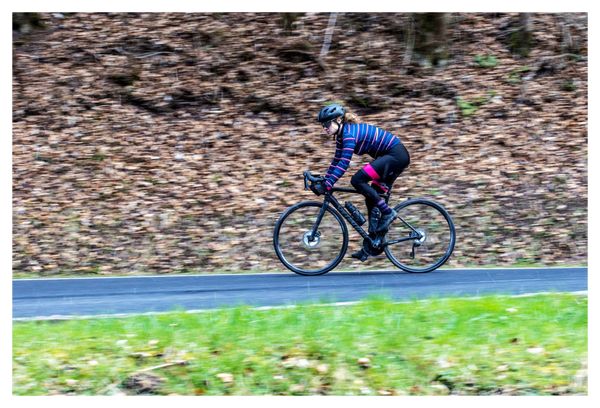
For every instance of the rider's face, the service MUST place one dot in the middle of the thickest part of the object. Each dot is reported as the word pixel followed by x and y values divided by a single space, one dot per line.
pixel 332 128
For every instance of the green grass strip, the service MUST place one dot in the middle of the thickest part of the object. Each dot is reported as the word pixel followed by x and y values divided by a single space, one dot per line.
pixel 490 345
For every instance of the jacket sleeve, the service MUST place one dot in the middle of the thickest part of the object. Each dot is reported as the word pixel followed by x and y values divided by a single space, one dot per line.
pixel 336 159
pixel 341 161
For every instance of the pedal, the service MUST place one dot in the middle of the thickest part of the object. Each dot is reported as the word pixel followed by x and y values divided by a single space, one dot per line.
pixel 360 255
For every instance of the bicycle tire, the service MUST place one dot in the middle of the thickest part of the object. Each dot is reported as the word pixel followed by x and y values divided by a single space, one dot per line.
pixel 449 249
pixel 296 268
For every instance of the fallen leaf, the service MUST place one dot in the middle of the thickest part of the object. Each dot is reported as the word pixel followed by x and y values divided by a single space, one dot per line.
pixel 227 378
pixel 443 363
pixel 364 362
pixel 297 388
pixel 142 383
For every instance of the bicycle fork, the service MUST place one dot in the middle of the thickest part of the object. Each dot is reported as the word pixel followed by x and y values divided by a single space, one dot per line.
pixel 313 232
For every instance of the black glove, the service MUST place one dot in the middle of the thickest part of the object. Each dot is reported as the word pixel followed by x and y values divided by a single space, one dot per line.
pixel 319 188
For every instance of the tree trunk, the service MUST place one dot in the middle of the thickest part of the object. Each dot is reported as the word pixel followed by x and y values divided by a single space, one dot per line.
pixel 570 43
pixel 26 22
pixel 521 39
pixel 430 37
pixel 288 20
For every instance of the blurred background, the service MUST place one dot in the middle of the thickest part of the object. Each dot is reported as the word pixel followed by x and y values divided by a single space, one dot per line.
pixel 172 142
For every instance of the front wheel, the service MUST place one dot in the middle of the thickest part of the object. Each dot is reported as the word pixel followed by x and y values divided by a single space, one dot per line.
pixel 307 245
pixel 422 236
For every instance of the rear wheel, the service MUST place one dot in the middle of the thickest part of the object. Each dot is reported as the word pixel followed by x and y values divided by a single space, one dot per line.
pixel 421 238
pixel 306 253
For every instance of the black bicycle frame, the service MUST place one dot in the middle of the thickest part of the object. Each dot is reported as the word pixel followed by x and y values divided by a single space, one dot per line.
pixel 344 213
pixel 329 198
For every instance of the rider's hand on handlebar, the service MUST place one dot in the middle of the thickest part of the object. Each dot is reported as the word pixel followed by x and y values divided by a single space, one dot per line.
pixel 317 183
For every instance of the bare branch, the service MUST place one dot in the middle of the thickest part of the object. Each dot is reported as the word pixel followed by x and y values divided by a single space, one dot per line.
pixel 328 34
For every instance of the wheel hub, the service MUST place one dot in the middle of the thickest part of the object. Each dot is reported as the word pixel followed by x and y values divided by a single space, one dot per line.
pixel 418 242
pixel 311 244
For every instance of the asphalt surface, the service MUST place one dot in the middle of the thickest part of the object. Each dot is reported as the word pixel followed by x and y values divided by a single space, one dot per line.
pixel 56 298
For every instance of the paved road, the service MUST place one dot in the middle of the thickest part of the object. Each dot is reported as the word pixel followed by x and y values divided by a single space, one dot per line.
pixel 44 298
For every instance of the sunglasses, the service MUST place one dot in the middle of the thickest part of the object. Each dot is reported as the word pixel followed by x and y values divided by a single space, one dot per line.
pixel 326 124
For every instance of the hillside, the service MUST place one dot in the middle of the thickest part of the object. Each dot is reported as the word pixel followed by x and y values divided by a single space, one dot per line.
pixel 172 142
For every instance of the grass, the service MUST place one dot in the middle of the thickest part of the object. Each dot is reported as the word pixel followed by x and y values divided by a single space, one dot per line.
pixel 485 61
pixel 469 107
pixel 510 345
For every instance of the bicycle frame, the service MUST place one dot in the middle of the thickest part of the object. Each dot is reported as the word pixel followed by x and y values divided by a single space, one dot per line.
pixel 331 200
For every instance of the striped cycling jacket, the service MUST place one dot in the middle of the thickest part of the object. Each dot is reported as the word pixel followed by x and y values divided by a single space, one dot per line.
pixel 360 139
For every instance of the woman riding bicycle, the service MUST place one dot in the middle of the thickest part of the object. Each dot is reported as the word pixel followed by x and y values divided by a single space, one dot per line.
pixel 391 158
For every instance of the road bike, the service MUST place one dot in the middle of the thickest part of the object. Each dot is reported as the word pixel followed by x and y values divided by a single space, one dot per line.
pixel 311 238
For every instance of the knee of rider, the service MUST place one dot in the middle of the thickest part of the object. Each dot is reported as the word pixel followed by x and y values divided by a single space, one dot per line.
pixel 359 179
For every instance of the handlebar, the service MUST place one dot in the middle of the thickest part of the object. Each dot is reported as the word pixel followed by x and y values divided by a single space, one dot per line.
pixel 309 177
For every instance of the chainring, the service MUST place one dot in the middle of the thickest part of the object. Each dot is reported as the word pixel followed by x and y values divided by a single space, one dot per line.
pixel 370 249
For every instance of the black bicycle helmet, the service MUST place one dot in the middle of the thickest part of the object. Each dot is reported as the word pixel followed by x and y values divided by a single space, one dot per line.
pixel 330 112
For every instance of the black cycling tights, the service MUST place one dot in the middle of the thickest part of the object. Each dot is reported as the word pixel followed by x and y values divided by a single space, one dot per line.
pixel 384 169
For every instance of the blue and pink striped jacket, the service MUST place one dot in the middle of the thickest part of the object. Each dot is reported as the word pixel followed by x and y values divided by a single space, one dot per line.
pixel 360 139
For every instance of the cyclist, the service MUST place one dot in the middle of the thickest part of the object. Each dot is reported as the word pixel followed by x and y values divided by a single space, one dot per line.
pixel 391 158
